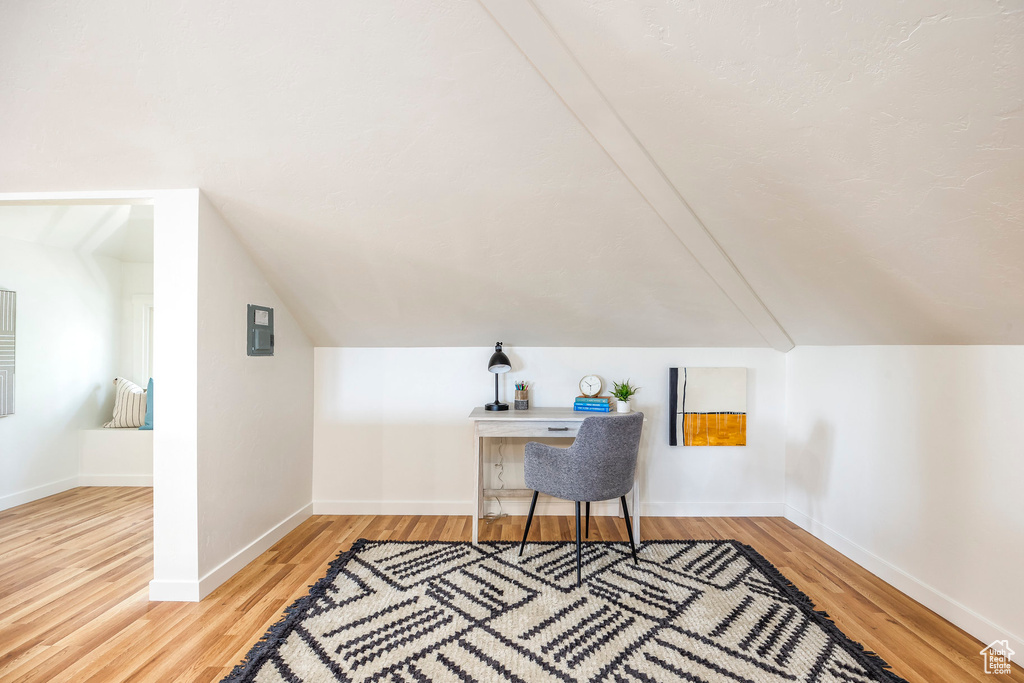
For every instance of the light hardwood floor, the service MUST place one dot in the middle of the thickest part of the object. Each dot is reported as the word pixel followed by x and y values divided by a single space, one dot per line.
pixel 75 567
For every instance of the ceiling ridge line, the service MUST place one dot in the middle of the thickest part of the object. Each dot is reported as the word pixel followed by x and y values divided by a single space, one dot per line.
pixel 527 27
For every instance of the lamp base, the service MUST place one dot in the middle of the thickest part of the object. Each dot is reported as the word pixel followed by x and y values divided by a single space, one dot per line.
pixel 496 406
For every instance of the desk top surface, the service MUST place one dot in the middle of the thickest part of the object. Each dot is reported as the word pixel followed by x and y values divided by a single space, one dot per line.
pixel 545 414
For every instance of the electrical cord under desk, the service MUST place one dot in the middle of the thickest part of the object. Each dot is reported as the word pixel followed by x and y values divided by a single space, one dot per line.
pixel 492 517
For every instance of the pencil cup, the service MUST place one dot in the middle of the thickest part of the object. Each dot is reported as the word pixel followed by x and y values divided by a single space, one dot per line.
pixel 522 399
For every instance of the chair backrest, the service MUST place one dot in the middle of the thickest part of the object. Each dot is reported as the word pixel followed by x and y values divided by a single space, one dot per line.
pixel 607 449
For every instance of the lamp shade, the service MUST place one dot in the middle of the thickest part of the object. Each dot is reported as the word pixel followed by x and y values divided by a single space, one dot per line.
pixel 499 361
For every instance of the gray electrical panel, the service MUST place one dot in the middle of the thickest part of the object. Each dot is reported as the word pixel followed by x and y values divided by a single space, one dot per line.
pixel 261 331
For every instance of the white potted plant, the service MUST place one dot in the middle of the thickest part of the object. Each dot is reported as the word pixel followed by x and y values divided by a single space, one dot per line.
pixel 623 392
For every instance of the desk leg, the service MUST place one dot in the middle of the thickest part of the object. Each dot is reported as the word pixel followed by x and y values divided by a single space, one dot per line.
pixel 636 512
pixel 478 450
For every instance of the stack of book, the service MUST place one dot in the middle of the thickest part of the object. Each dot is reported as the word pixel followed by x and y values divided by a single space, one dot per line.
pixel 596 404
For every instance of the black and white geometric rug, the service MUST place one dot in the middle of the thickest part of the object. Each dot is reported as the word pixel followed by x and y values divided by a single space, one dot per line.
pixel 697 611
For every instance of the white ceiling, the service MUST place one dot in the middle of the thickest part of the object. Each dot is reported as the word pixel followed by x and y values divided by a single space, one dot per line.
pixel 861 163
pixel 407 176
pixel 120 232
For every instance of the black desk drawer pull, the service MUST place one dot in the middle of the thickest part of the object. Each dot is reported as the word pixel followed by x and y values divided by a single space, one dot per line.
pixel 558 429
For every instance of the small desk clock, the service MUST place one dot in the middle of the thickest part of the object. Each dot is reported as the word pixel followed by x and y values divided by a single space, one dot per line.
pixel 591 386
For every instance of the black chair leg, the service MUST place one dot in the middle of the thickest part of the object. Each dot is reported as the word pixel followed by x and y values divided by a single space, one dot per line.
pixel 588 519
pixel 529 518
pixel 579 549
pixel 629 530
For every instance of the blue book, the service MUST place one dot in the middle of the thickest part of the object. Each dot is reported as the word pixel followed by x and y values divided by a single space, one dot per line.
pixel 593 399
pixel 591 408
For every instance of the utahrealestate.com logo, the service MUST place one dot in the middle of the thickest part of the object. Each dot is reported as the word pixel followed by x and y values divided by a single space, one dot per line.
pixel 997 657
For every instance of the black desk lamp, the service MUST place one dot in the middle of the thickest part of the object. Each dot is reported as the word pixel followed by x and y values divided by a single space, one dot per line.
pixel 498 364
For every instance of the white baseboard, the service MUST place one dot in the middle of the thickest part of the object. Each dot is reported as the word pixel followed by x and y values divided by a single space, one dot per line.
pixel 392 507
pixel 673 509
pixel 115 480
pixel 173 591
pixel 194 591
pixel 553 506
pixel 545 506
pixel 28 495
pixel 510 506
pixel 236 562
pixel 940 603
pixel 54 487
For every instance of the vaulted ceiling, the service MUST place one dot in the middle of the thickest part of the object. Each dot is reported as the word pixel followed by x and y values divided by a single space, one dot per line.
pixel 560 172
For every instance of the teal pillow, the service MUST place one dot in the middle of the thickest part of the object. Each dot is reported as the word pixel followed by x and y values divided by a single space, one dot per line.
pixel 148 424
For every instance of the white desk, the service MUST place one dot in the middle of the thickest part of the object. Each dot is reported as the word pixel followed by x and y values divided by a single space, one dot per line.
pixel 536 422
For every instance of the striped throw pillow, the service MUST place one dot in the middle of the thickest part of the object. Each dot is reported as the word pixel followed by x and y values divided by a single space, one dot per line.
pixel 129 404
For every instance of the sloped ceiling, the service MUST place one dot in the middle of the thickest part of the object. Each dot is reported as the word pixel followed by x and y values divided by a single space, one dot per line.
pixel 120 232
pixel 861 163
pixel 406 175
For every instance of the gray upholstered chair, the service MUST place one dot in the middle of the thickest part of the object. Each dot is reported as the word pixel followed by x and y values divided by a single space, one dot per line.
pixel 599 465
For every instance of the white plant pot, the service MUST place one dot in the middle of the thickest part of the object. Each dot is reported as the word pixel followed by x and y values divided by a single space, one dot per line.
pixel 623 407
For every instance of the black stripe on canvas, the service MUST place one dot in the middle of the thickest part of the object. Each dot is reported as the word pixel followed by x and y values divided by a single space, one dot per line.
pixel 673 388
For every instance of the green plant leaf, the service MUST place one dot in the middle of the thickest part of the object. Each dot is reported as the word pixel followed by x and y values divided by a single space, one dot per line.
pixel 623 391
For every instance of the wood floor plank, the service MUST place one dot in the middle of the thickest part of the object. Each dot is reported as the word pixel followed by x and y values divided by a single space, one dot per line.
pixel 75 569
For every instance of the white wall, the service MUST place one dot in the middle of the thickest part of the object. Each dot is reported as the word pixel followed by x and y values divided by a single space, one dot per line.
pixel 67 339
pixel 176 394
pixel 391 431
pixel 255 413
pixel 136 280
pixel 910 461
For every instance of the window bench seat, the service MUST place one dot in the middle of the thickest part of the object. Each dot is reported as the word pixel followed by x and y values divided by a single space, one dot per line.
pixel 115 457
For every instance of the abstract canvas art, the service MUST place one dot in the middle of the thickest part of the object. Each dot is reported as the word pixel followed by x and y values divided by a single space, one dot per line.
pixel 707 406
pixel 7 319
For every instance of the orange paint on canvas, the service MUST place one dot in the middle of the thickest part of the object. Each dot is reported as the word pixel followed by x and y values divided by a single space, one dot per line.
pixel 715 429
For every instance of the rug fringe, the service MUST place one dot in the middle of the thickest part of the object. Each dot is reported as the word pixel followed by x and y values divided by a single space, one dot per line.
pixel 280 630
pixel 871 660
